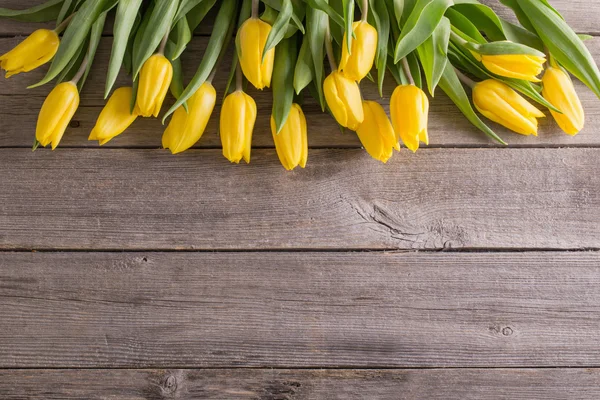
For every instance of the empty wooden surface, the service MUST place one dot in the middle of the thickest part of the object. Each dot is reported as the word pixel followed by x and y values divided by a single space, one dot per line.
pixel 465 271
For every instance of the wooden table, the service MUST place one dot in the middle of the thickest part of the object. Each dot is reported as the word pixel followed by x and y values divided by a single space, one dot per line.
pixel 465 271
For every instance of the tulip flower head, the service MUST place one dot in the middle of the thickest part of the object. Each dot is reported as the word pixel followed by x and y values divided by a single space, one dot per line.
pixel 343 98
pixel 56 113
pixel 559 91
pixel 291 142
pixel 238 115
pixel 518 66
pixel 356 65
pixel 252 38
pixel 187 127
pixel 37 49
pixel 155 78
pixel 500 103
pixel 376 132
pixel 115 117
pixel 409 108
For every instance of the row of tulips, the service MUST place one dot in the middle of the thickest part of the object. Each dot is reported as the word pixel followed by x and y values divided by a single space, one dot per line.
pixel 501 73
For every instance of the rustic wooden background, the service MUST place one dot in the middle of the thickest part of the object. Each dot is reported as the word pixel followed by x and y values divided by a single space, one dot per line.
pixel 465 271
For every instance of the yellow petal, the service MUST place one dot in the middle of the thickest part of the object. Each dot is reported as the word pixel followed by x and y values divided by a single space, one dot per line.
pixel 36 50
pixel 56 113
pixel 115 117
pixel 558 89
pixel 409 108
pixel 252 39
pixel 154 80
pixel 358 64
pixel 376 132
pixel 291 143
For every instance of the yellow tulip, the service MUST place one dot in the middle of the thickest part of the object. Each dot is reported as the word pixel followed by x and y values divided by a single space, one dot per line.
pixel 36 50
pixel 252 39
pixel 291 142
pixel 114 117
pixel 344 101
pixel 187 127
pixel 154 80
pixel 238 116
pixel 376 132
pixel 409 108
pixel 559 91
pixel 518 66
pixel 498 102
pixel 364 46
pixel 56 113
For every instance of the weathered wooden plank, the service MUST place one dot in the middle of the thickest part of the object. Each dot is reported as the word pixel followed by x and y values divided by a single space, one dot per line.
pixel 285 310
pixel 448 127
pixel 438 198
pixel 233 384
pixel 581 15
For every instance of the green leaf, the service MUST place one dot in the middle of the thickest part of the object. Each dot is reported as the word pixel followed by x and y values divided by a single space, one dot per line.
pixel 67 8
pixel 196 15
pixel 176 87
pixel 182 35
pixel 303 73
pixel 125 19
pixel 245 13
pixel 464 27
pixel 95 37
pixel 283 81
pixel 348 21
pixel 185 6
pixel 504 48
pixel 563 42
pixel 73 66
pixel 157 27
pixel 433 54
pixel 380 18
pixel 452 86
pixel 420 25
pixel 297 15
pixel 279 27
pixel 221 34
pixel 316 28
pixel 75 34
pixel 323 6
pixel 45 12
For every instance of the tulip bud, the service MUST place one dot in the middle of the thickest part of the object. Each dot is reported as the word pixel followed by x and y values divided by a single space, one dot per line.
pixel 187 127
pixel 56 113
pixel 155 78
pixel 376 132
pixel 358 64
pixel 344 100
pixel 251 40
pixel 498 102
pixel 238 115
pixel 560 92
pixel 115 117
pixel 518 66
pixel 291 142
pixel 409 108
pixel 37 49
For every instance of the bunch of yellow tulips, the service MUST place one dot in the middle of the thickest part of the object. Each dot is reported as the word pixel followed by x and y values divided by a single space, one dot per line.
pixel 285 47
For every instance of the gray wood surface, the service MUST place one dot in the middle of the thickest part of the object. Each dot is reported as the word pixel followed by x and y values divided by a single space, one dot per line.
pixel 435 199
pixel 342 310
pixel 160 277
pixel 19 107
pixel 252 384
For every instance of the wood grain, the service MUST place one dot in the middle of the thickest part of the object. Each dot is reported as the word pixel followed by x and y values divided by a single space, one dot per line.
pixel 447 126
pixel 283 310
pixel 240 384
pixel 580 14
pixel 435 199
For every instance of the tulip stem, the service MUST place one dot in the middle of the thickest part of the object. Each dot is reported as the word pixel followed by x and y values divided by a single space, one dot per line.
pixel 406 69
pixel 457 38
pixel 365 10
pixel 82 68
pixel 329 48
pixel 63 25
pixel 255 4
pixel 163 42
pixel 239 82
pixel 465 79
